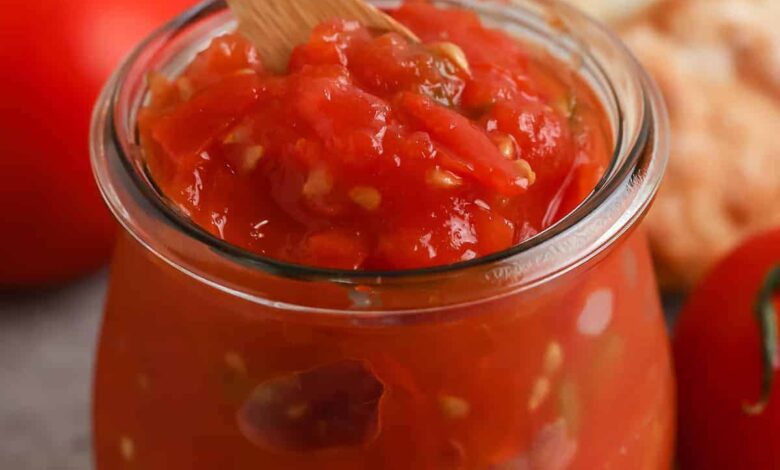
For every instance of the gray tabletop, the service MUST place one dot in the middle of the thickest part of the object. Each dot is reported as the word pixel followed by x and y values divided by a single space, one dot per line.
pixel 47 343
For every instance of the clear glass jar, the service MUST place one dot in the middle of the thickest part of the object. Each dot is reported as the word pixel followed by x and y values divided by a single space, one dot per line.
pixel 552 355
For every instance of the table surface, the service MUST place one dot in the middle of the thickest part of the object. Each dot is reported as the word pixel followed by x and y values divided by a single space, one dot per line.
pixel 47 345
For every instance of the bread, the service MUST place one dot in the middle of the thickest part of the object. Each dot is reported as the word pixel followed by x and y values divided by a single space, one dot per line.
pixel 613 11
pixel 718 65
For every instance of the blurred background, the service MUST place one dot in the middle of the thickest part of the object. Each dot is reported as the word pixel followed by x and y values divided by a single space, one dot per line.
pixel 717 62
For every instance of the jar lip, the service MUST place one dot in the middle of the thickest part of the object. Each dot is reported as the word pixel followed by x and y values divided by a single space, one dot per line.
pixel 613 180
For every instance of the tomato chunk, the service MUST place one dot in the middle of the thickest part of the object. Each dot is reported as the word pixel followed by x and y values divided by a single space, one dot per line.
pixel 480 155
pixel 195 123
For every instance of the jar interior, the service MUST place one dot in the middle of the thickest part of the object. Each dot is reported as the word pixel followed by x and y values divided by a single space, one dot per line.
pixel 617 203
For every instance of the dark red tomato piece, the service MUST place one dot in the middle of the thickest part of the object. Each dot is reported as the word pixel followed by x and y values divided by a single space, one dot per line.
pixel 719 345
pixel 333 406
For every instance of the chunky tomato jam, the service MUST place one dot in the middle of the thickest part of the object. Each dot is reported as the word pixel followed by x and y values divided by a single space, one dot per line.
pixel 373 152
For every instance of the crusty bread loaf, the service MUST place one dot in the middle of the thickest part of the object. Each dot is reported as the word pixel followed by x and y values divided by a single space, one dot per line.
pixel 718 65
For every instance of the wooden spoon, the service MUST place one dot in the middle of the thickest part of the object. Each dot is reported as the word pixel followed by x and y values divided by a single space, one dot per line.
pixel 275 27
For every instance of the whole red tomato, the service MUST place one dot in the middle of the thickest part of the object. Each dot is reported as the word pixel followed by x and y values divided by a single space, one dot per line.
pixel 725 348
pixel 54 57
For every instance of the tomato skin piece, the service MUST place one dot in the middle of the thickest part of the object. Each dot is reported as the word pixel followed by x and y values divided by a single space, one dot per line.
pixel 55 226
pixel 483 160
pixel 207 115
pixel 718 360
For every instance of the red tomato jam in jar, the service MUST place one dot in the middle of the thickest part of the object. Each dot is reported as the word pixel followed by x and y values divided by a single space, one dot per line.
pixel 373 153
pixel 395 255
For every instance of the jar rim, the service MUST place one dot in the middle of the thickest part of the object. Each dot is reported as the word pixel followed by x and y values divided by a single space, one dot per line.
pixel 653 132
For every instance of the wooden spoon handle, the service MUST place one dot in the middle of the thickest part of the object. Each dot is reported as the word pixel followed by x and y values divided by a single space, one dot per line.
pixel 275 27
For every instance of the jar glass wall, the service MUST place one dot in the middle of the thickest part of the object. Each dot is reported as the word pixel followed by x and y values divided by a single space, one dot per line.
pixel 551 355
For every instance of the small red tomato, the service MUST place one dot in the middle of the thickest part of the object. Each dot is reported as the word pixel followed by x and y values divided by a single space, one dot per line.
pixel 55 58
pixel 726 353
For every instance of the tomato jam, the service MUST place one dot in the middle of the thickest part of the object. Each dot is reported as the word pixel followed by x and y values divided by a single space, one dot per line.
pixel 375 153
pixel 371 154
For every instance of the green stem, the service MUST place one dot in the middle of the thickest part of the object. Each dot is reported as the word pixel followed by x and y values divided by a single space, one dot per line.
pixel 767 320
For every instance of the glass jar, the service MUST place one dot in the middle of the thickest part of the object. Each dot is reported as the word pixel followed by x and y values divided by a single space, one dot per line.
pixel 552 355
